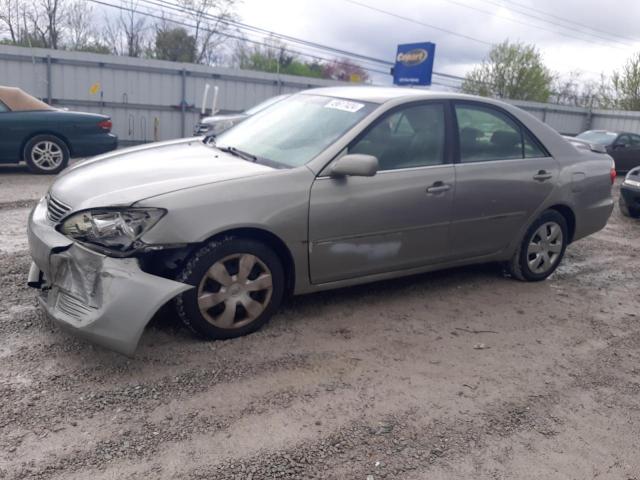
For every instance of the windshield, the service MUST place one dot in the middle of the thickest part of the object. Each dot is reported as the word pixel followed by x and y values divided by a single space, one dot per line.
pixel 293 131
pixel 598 136
pixel 262 105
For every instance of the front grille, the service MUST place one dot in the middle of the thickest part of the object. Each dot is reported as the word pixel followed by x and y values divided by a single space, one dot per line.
pixel 73 306
pixel 56 210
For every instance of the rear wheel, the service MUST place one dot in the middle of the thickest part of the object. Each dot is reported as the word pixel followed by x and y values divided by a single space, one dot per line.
pixel 541 249
pixel 46 154
pixel 238 286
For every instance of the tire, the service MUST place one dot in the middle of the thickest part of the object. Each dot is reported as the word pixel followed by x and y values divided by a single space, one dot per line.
pixel 626 211
pixel 223 305
pixel 46 154
pixel 527 264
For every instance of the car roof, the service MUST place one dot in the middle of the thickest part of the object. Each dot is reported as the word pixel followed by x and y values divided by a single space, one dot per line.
pixel 384 94
pixel 18 100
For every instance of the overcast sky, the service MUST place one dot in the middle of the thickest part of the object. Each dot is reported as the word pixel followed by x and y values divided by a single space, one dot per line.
pixel 348 26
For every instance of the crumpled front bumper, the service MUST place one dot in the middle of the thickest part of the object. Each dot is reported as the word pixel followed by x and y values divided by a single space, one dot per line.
pixel 107 300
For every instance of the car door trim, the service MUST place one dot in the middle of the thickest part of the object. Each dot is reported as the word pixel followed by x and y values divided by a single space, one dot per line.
pixel 326 241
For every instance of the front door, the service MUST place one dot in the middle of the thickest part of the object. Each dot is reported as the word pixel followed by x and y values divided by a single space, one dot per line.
pixel 502 177
pixel 395 220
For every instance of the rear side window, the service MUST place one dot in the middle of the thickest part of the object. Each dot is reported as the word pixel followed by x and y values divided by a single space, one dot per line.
pixel 3 107
pixel 487 134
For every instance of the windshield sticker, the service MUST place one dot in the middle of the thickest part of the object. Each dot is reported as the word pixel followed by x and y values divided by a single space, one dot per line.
pixel 344 105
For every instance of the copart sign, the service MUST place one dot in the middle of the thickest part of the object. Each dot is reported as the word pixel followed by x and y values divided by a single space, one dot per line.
pixel 414 64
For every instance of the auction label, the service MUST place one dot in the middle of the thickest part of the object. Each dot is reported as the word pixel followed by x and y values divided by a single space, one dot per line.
pixel 344 105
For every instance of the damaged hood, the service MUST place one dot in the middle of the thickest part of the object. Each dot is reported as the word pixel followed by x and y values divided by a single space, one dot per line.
pixel 124 177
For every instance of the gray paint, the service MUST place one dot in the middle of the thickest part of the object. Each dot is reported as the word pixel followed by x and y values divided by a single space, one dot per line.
pixel 339 231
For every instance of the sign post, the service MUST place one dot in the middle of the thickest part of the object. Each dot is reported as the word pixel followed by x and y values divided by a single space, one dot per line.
pixel 414 64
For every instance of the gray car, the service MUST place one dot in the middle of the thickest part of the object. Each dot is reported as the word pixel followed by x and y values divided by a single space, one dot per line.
pixel 327 188
pixel 216 124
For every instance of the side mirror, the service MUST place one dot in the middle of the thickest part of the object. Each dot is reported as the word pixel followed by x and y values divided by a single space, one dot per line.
pixel 355 165
pixel 620 145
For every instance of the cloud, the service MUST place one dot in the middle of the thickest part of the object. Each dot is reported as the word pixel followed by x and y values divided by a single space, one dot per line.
pixel 344 25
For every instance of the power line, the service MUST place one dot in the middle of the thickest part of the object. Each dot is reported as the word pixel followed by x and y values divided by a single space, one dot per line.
pixel 386 12
pixel 417 22
pixel 184 24
pixel 526 7
pixel 315 45
pixel 513 20
pixel 244 26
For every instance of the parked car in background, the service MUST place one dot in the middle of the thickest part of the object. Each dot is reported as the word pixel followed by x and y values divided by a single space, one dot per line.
pixel 46 137
pixel 324 189
pixel 630 194
pixel 217 124
pixel 624 147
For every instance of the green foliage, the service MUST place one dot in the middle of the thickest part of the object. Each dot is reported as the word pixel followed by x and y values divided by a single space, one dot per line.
pixel 512 70
pixel 626 85
pixel 175 45
pixel 275 58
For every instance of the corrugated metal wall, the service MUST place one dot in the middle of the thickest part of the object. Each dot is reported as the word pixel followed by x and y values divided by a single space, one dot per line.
pixel 143 97
pixel 157 100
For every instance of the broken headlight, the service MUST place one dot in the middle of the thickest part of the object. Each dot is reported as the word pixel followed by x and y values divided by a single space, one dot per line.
pixel 114 229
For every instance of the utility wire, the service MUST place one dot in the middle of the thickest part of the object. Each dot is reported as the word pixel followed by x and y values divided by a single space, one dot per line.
pixel 417 22
pixel 185 24
pixel 315 45
pixel 557 17
pixel 538 27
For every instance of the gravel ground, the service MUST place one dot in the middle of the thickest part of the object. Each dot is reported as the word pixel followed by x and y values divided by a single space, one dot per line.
pixel 456 374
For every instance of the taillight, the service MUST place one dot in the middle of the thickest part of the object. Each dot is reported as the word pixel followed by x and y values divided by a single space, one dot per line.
pixel 105 125
pixel 613 175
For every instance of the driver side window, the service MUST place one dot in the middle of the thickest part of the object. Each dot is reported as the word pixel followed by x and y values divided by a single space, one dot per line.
pixel 410 137
pixel 3 107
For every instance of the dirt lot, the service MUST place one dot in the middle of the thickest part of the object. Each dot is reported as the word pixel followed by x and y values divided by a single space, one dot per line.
pixel 457 374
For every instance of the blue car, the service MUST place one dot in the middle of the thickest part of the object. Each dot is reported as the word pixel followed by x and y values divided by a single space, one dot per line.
pixel 45 137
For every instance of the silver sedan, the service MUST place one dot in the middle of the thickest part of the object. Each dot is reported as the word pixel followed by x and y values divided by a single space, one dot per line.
pixel 327 188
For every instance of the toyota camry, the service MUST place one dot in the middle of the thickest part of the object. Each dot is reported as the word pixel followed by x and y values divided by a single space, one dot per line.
pixel 324 189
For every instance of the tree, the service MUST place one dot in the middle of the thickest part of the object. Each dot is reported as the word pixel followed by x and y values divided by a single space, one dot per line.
pixel 345 70
pixel 212 22
pixel 273 57
pixel 47 21
pixel 127 34
pixel 11 15
pixel 512 70
pixel 175 44
pixel 626 84
pixel 80 26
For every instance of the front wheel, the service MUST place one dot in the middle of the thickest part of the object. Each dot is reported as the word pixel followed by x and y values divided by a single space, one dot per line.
pixel 541 249
pixel 238 283
pixel 46 154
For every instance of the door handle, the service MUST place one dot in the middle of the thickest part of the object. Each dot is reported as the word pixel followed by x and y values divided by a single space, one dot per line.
pixel 438 187
pixel 542 175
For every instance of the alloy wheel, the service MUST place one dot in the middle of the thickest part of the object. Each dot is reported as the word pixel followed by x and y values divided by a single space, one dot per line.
pixel 235 291
pixel 47 155
pixel 545 247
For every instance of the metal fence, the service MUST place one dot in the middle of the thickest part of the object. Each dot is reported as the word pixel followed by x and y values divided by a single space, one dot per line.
pixel 156 100
pixel 147 99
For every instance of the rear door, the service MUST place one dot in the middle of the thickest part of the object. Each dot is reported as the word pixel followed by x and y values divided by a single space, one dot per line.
pixel 502 174
pixel 397 219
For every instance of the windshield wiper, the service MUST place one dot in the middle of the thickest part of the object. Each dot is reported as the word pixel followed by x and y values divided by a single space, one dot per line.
pixel 238 153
